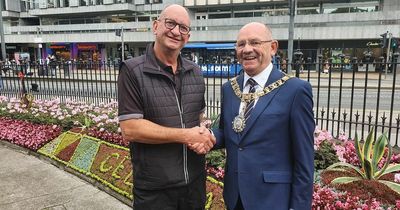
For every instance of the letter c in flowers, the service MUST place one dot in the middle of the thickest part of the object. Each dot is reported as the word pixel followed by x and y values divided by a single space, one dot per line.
pixel 103 163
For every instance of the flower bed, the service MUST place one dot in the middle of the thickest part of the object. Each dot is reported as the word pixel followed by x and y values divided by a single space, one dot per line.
pixel 360 194
pixel 27 134
pixel 109 161
pixel 102 118
pixel 109 164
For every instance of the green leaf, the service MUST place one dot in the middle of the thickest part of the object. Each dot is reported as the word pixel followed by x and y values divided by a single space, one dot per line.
pixel 385 166
pixel 392 185
pixel 390 169
pixel 345 180
pixel 358 150
pixel 347 165
pixel 379 150
pixel 368 145
pixel 338 169
pixel 368 170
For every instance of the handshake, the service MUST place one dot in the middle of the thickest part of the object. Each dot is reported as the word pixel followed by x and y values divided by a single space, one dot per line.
pixel 200 139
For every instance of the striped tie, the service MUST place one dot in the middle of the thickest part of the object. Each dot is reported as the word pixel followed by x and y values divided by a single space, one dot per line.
pixel 250 105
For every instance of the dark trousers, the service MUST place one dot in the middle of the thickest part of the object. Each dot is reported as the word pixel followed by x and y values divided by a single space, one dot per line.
pixel 190 197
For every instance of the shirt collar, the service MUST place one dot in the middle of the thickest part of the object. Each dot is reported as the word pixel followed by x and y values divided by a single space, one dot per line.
pixel 156 64
pixel 260 78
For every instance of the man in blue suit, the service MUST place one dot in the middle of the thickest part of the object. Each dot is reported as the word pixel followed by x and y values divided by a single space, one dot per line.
pixel 267 128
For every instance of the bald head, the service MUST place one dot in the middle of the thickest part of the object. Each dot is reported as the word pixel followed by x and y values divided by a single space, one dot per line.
pixel 255 47
pixel 257 27
pixel 172 31
pixel 175 9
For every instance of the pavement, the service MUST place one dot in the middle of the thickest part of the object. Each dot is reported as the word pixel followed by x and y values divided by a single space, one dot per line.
pixel 28 181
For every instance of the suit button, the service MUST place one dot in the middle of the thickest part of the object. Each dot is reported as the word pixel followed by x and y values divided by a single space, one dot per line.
pixel 241 149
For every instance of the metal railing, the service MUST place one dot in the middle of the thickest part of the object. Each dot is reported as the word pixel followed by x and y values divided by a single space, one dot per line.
pixel 349 96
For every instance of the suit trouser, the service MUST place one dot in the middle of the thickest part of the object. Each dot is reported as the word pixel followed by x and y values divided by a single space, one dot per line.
pixel 239 205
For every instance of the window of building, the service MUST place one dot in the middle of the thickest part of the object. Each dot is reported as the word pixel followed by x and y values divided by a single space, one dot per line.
pixel 355 6
pixel 14 22
pixel 78 21
pixel 24 6
pixel 50 3
pixel 243 14
pixel 66 3
pixel 63 22
pixel 219 16
pixel 143 18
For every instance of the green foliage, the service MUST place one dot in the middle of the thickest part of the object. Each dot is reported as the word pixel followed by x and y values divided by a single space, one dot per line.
pixel 325 156
pixel 215 121
pixel 369 154
pixel 216 158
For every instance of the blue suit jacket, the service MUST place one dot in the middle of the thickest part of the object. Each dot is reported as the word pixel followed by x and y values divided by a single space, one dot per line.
pixel 271 162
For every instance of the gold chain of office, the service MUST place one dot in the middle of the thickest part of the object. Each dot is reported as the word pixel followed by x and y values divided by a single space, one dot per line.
pixel 247 97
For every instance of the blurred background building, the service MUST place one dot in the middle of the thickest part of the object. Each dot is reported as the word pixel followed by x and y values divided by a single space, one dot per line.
pixel 88 29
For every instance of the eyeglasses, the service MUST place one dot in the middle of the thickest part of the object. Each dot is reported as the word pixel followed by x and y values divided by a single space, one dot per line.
pixel 171 24
pixel 253 43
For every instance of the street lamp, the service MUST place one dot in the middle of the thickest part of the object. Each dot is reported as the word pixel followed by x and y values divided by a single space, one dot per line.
pixel 3 43
pixel 120 33
pixel 292 12
pixel 38 40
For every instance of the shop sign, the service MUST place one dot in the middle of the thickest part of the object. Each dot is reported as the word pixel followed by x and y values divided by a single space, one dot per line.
pixel 87 46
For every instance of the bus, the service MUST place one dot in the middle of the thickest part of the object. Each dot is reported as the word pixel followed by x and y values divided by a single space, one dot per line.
pixel 215 59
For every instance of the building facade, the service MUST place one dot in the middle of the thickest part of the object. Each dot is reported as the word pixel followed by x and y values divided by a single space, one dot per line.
pixel 86 29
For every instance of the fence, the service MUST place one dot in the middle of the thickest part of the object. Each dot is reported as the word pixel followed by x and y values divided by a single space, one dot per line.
pixel 349 96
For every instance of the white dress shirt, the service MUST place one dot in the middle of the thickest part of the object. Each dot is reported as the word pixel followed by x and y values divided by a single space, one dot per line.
pixel 260 78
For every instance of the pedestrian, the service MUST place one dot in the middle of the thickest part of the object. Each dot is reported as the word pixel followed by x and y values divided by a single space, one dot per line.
pixel 2 69
pixel 267 127
pixel 53 65
pixel 160 104
pixel 326 67
pixel 284 65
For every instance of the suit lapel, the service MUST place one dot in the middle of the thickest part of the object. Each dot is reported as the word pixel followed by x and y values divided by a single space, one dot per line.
pixel 262 102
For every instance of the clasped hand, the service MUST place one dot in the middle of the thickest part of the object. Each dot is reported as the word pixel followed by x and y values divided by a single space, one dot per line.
pixel 200 140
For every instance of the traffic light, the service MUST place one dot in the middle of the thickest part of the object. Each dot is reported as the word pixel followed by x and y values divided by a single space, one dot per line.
pixel 395 43
pixel 118 32
pixel 383 40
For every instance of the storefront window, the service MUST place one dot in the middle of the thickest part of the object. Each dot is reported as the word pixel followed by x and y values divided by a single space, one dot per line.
pixel 60 51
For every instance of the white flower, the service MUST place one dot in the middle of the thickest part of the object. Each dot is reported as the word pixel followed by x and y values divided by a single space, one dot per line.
pixel 397 178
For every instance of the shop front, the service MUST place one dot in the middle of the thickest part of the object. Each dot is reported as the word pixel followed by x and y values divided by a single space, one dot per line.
pixel 88 52
pixel 60 50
